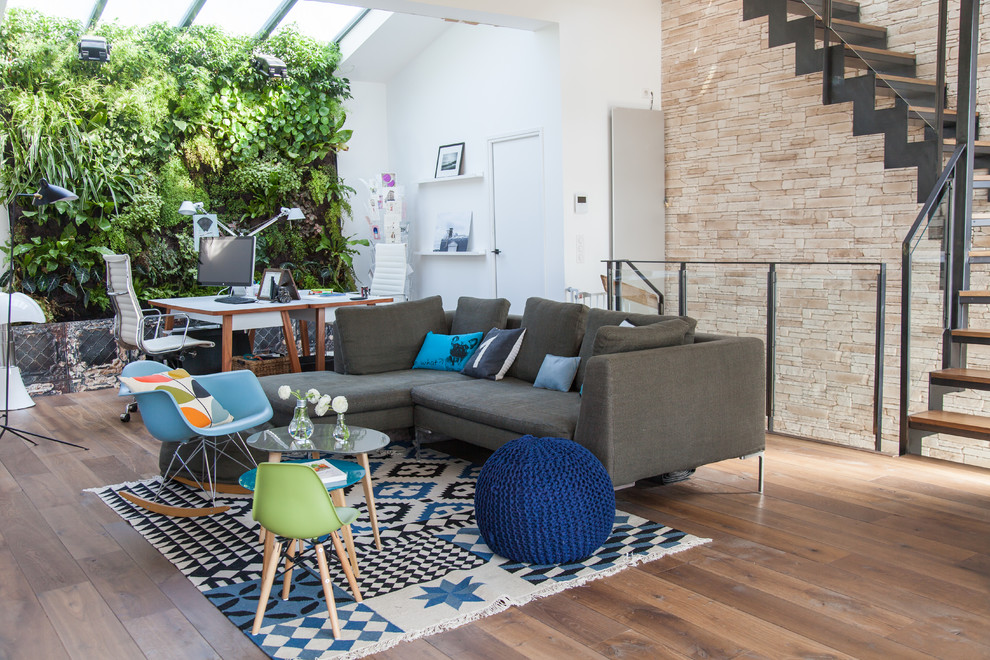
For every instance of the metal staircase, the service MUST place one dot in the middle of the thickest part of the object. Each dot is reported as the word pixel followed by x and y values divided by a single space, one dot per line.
pixel 888 98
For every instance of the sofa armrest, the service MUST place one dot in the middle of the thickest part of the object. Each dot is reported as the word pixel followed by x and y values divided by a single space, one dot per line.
pixel 645 413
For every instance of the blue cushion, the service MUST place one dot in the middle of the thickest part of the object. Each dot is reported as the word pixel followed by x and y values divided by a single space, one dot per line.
pixel 557 373
pixel 446 352
pixel 497 352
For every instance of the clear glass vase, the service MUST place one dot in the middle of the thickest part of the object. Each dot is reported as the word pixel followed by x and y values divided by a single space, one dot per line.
pixel 341 434
pixel 301 427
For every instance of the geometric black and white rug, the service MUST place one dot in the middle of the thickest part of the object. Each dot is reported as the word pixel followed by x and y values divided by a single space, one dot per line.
pixel 434 571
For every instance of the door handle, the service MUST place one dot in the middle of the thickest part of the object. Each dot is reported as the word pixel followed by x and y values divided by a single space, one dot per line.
pixel 496 251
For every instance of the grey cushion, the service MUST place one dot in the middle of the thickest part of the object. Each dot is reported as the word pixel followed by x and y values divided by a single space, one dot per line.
pixel 479 315
pixel 510 404
pixel 617 339
pixel 552 327
pixel 386 337
pixel 601 317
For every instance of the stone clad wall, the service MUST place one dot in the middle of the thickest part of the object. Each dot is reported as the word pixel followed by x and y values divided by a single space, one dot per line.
pixel 758 169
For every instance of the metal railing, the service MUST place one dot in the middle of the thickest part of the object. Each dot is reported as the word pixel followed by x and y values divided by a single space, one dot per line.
pixel 614 274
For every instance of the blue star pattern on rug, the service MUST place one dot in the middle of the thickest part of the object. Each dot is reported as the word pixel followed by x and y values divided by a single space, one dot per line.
pixel 448 593
pixel 434 570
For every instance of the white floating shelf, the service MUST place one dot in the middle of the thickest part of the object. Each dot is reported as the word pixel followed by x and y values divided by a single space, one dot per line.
pixel 473 253
pixel 459 177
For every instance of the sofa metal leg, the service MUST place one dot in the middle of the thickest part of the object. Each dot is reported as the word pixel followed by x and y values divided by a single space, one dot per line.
pixel 759 482
pixel 760 473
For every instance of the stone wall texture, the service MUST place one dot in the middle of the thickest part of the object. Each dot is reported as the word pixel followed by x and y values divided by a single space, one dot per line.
pixel 757 169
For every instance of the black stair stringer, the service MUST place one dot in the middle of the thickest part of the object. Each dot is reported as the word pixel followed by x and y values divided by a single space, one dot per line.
pixel 898 151
pixel 800 32
pixel 859 90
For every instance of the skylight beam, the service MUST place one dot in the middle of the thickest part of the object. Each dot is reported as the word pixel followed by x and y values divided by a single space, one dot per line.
pixel 95 14
pixel 191 12
pixel 280 12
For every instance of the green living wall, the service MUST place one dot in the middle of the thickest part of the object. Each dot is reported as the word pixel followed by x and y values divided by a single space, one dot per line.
pixel 176 114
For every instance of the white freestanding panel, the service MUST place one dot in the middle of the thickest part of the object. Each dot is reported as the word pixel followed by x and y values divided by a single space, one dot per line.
pixel 637 185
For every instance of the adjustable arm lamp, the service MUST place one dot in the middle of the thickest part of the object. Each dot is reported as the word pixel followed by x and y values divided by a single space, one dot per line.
pixel 194 208
pixel 27 310
pixel 291 214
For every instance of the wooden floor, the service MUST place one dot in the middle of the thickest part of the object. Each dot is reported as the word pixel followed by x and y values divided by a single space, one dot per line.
pixel 847 554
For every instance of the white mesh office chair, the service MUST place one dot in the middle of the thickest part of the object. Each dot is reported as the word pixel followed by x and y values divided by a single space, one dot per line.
pixel 130 323
pixel 389 278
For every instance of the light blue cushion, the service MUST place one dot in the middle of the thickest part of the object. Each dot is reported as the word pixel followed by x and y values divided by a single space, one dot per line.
pixel 557 373
pixel 446 352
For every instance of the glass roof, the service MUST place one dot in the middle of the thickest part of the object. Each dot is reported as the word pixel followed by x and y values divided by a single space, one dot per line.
pixel 314 18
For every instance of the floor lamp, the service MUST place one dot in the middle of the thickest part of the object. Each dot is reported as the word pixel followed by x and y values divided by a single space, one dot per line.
pixel 46 194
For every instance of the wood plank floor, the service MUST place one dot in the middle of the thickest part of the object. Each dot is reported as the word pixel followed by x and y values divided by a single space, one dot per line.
pixel 848 554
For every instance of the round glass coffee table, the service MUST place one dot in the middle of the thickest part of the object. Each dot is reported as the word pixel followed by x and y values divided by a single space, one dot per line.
pixel 277 441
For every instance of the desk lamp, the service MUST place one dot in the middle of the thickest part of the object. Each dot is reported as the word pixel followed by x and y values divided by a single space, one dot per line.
pixel 26 310
pixel 197 208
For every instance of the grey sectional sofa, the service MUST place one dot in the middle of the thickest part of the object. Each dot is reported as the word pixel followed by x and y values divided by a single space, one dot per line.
pixel 642 410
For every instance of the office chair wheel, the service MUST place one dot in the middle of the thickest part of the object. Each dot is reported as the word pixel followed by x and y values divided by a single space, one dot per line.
pixel 126 415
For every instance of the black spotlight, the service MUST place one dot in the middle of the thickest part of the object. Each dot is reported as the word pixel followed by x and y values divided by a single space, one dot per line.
pixel 93 49
pixel 270 66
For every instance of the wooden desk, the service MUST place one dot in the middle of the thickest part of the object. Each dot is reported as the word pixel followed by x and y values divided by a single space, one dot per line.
pixel 263 314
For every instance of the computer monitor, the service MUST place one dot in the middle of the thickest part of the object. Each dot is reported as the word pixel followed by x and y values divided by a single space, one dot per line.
pixel 226 261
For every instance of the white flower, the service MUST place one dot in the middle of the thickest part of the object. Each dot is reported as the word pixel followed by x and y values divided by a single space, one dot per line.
pixel 313 395
pixel 284 392
pixel 339 404
pixel 323 405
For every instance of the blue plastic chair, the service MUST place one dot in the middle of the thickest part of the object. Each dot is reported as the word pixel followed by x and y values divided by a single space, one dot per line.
pixel 237 391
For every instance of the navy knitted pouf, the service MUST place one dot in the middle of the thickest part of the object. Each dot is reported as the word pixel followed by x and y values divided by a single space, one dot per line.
pixel 544 501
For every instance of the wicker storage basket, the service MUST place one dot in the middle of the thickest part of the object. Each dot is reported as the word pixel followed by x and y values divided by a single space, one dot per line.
pixel 266 367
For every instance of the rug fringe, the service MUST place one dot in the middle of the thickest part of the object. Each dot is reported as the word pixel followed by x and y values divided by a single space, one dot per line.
pixel 505 602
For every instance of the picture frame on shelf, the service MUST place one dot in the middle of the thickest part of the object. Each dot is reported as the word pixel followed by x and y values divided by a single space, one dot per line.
pixel 449 158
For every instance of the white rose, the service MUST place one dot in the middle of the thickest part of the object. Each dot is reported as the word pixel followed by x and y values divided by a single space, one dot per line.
pixel 340 404
pixel 322 406
pixel 312 395
pixel 284 392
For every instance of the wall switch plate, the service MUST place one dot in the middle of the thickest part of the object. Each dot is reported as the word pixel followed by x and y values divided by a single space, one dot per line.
pixel 580 203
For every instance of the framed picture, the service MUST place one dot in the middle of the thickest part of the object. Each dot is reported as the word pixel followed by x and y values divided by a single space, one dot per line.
pixel 269 283
pixel 289 283
pixel 449 160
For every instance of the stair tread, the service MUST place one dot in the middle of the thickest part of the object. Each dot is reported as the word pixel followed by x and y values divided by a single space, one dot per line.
pixel 971 332
pixel 979 253
pixel 905 79
pixel 893 54
pixel 977 143
pixel 951 421
pixel 955 373
pixel 947 112
pixel 975 294
pixel 981 177
pixel 982 215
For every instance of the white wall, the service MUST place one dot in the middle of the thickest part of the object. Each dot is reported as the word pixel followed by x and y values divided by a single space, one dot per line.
pixel 366 158
pixel 608 55
pixel 471 84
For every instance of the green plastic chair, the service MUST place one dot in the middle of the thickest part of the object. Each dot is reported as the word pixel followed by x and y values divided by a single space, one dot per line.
pixel 293 505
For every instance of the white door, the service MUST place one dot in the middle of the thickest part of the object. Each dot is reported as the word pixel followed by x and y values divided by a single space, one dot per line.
pixel 518 218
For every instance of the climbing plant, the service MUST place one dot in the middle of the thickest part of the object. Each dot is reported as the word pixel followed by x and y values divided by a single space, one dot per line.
pixel 175 114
